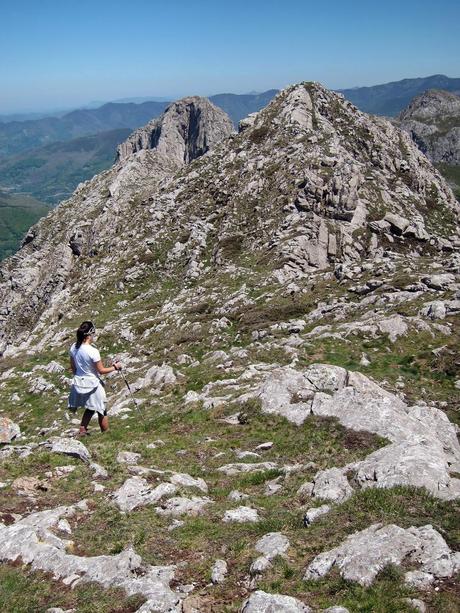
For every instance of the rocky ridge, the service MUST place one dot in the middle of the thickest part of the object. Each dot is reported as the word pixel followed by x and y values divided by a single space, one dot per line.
pixel 228 283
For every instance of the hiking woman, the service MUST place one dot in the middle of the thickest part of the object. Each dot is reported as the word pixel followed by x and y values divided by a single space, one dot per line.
pixel 87 387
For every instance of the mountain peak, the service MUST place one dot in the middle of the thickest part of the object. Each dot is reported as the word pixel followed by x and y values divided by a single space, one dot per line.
pixel 306 186
pixel 187 129
pixel 430 104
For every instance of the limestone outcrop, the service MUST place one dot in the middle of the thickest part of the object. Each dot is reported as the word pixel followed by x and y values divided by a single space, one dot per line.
pixel 364 554
pixel 433 121
pixel 34 541
pixel 187 130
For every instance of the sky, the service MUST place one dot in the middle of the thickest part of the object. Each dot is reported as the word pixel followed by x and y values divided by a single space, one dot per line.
pixel 67 53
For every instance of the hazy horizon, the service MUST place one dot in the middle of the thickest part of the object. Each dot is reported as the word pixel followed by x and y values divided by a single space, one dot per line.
pixel 70 54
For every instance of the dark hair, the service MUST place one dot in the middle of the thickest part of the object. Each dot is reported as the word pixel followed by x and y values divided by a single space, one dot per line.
pixel 86 329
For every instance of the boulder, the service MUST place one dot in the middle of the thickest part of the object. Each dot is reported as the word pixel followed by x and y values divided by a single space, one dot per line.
pixel 434 310
pixel 272 544
pixel 34 541
pixel 136 492
pixel 157 377
pixel 364 554
pixel 440 281
pixel 313 514
pixel 331 484
pixel 417 464
pixel 184 506
pixel 241 515
pixel 128 457
pixel 398 224
pixel 262 602
pixel 184 480
pixel 241 468
pixel 8 430
pixel 219 571
pixel 70 447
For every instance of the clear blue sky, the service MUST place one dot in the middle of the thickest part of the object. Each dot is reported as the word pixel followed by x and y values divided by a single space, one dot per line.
pixel 63 53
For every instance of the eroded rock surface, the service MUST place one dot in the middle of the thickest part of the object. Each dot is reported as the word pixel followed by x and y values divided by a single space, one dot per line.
pixel 364 554
pixel 137 492
pixel 34 541
pixel 262 602
pixel 8 430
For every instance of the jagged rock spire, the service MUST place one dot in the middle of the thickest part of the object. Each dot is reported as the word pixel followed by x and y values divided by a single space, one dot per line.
pixel 187 129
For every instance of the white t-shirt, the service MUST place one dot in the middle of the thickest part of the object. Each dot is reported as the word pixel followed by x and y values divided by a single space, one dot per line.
pixel 85 358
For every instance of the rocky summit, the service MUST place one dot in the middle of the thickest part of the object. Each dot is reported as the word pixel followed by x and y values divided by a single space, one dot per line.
pixel 433 120
pixel 285 301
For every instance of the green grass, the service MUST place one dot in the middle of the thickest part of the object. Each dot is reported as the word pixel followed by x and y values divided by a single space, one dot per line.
pixel 17 213
pixel 452 174
pixel 22 591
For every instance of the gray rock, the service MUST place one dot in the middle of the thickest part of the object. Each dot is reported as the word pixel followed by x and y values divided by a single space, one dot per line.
pixel 416 464
pixel 241 515
pixel 277 392
pixel 336 610
pixel 33 540
pixel 440 281
pixel 184 480
pixel 99 472
pixel 136 492
pixel 331 484
pixel 416 604
pixel 259 566
pixel 187 129
pixel 128 457
pixel 236 496
pixel 419 579
pixel 272 544
pixel 242 455
pixel 262 602
pixel 241 468
pixel 434 310
pixel 157 377
pixel 219 571
pixel 272 487
pixel 184 506
pixel 8 430
pixel 315 513
pixel 306 489
pixel 70 447
pixel 398 224
pixel 264 446
pixel 364 554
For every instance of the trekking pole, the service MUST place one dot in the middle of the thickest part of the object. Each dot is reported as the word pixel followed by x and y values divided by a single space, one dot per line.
pixel 132 396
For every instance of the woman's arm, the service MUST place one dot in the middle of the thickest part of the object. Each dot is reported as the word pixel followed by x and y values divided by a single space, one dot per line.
pixel 73 368
pixel 102 370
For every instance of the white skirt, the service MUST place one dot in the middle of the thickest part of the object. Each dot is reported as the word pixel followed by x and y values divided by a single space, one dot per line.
pixel 87 392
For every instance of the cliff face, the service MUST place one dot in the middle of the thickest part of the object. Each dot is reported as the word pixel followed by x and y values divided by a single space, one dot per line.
pixel 187 130
pixel 433 121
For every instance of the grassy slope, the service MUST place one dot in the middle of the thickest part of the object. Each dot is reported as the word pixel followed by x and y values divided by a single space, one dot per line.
pixel 452 175
pixel 193 438
pixel 17 213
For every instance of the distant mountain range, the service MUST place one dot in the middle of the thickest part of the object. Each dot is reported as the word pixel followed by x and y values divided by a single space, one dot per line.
pixel 48 157
pixel 19 136
pixel 391 98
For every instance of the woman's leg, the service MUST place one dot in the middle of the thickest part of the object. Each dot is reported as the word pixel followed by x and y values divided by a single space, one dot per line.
pixel 103 421
pixel 85 421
